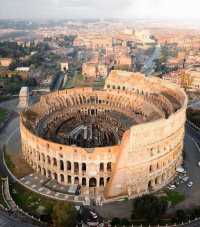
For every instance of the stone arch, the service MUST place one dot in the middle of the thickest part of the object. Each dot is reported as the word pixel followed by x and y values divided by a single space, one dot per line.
pixel 76 167
pixel 62 178
pixel 83 167
pixel 69 167
pixel 109 166
pixel 151 168
pixel 54 162
pixel 76 180
pixel 92 182
pixel 69 179
pixel 48 160
pixel 49 174
pixel 101 167
pixel 101 181
pixel 107 180
pixel 84 182
pixel 61 165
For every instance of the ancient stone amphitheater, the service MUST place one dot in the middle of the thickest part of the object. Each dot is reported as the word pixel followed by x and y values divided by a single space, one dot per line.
pixel 124 140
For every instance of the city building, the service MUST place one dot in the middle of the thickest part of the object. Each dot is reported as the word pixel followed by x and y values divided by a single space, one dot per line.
pixel 5 62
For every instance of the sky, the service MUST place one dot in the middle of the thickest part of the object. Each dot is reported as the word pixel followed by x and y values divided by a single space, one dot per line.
pixel 78 9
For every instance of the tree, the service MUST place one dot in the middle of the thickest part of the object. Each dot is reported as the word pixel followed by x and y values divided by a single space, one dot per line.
pixel 64 214
pixel 149 207
pixel 125 222
pixel 181 216
pixel 115 222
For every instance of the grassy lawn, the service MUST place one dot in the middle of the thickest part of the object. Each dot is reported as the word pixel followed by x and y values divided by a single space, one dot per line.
pixel 17 164
pixel 98 84
pixel 76 81
pixel 33 203
pixel 3 114
pixel 174 197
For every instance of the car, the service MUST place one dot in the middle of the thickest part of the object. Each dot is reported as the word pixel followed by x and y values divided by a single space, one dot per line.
pixel 198 164
pixel 190 184
pixel 171 187
pixel 185 179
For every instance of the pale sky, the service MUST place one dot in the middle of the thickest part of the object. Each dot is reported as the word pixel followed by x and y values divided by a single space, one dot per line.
pixel 75 9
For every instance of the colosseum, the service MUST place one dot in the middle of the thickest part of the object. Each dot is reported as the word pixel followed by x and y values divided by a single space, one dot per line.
pixel 123 140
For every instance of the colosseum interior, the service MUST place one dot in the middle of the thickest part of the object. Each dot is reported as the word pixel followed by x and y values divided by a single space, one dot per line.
pixel 124 140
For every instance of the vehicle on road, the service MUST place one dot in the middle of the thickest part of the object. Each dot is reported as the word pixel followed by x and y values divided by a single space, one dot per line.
pixel 185 179
pixel 190 184
pixel 171 187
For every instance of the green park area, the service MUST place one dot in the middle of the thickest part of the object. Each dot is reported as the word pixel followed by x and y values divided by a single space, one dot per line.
pixel 174 197
pixel 47 210
pixel 76 81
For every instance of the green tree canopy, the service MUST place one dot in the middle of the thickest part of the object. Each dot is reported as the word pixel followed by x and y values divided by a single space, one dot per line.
pixel 64 214
pixel 149 207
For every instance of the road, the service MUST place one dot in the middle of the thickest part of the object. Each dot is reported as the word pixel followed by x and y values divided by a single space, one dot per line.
pixel 149 65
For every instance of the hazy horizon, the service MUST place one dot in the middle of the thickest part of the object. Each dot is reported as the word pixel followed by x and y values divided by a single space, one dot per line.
pixel 95 9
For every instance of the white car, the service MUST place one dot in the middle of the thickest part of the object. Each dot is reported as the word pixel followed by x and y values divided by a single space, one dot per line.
pixel 185 179
pixel 198 164
pixel 172 187
pixel 190 184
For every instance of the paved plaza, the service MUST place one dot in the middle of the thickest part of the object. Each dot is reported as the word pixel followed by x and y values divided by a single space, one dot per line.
pixel 45 186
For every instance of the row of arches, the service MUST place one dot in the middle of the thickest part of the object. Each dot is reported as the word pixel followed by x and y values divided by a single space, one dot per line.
pixel 163 163
pixel 76 166
pixel 84 181
pixel 161 179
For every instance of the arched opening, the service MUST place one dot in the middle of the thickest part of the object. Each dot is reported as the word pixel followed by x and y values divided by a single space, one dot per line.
pixel 69 166
pixel 76 168
pixel 150 186
pixel 49 174
pixel 156 181
pixel 54 162
pixel 109 166
pixel 150 168
pixel 62 178
pixel 48 160
pixel 43 157
pixel 101 182
pixel 69 179
pixel 84 167
pixel 76 180
pixel 101 168
pixel 92 182
pixel 83 181
pixel 44 171
pixel 55 176
pixel 61 165
pixel 108 179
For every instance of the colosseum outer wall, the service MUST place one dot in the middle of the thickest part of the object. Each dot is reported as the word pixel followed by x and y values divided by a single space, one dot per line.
pixel 157 145
pixel 144 161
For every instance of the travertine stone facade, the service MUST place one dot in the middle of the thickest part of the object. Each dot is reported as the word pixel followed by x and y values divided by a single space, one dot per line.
pixel 137 122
